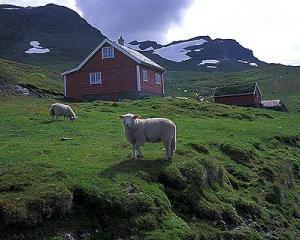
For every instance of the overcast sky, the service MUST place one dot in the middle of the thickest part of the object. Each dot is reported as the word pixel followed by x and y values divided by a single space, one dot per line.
pixel 269 27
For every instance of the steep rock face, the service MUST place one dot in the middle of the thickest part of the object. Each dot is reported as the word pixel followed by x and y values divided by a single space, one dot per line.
pixel 48 34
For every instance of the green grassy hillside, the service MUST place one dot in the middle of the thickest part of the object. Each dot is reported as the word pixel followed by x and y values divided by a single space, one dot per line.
pixel 30 76
pixel 235 175
pixel 275 81
pixel 69 37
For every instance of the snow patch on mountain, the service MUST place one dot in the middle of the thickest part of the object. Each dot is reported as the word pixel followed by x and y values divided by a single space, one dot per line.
pixel 242 61
pixel 253 64
pixel 149 49
pixel 177 52
pixel 208 61
pixel 11 8
pixel 211 66
pixel 36 48
pixel 198 50
pixel 134 47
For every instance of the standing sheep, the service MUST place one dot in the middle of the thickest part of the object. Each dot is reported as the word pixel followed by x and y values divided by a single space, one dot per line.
pixel 138 131
pixel 58 109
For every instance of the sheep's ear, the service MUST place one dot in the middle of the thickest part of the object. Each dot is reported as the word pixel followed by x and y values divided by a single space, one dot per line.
pixel 136 116
pixel 121 116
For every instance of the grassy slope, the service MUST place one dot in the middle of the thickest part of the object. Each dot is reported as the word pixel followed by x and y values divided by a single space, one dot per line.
pixel 275 81
pixel 235 174
pixel 17 73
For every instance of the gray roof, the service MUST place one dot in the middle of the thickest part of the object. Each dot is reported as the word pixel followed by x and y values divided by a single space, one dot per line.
pixel 140 57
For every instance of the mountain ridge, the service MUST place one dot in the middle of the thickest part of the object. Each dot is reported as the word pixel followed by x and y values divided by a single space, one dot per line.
pixel 200 53
pixel 68 36
pixel 58 38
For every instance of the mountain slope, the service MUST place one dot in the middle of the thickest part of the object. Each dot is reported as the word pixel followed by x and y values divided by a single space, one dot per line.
pixel 275 81
pixel 51 36
pixel 58 38
pixel 200 53
pixel 17 78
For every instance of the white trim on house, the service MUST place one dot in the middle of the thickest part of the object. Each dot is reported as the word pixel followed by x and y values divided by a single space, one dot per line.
pixel 138 78
pixel 97 76
pixel 113 44
pixel 108 52
pixel 257 87
pixel 163 83
pixel 145 75
pixel 157 77
pixel 65 85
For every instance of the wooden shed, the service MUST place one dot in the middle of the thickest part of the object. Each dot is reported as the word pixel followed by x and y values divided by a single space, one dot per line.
pixel 248 95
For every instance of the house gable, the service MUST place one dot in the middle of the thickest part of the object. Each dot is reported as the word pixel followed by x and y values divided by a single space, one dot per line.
pixel 132 54
pixel 257 89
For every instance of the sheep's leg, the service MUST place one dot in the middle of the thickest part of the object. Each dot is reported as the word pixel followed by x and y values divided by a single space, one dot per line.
pixel 133 155
pixel 140 154
pixel 137 147
pixel 167 145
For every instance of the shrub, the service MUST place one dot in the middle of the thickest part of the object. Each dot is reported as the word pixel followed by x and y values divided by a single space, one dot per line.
pixel 289 140
pixel 276 194
pixel 200 147
pixel 245 206
pixel 238 154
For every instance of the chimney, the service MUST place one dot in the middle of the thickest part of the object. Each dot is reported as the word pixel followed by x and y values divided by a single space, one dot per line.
pixel 121 41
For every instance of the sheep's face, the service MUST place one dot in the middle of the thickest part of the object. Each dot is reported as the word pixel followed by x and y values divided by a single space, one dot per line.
pixel 73 117
pixel 128 119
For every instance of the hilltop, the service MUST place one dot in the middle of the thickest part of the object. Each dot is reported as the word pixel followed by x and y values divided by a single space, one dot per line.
pixel 200 54
pixel 60 36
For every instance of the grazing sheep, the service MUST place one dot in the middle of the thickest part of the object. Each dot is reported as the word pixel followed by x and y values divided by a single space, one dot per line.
pixel 138 131
pixel 58 109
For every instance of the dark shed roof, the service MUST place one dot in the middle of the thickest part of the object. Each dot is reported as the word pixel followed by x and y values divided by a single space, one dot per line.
pixel 235 89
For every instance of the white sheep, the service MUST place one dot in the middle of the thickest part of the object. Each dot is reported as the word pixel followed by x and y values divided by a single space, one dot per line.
pixel 138 131
pixel 58 109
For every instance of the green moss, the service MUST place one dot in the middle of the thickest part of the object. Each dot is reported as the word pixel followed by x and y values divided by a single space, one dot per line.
pixel 200 147
pixel 245 206
pixel 237 153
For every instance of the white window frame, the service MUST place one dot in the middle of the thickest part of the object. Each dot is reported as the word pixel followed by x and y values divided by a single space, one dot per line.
pixel 157 77
pixel 145 76
pixel 108 52
pixel 94 80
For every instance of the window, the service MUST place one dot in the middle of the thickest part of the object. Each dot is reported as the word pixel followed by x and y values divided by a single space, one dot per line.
pixel 95 78
pixel 145 75
pixel 157 78
pixel 107 52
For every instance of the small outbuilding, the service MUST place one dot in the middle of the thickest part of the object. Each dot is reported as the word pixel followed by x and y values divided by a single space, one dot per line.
pixel 114 72
pixel 247 95
pixel 276 105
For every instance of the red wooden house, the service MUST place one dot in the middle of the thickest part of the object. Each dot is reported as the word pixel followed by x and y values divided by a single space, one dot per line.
pixel 248 95
pixel 114 72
